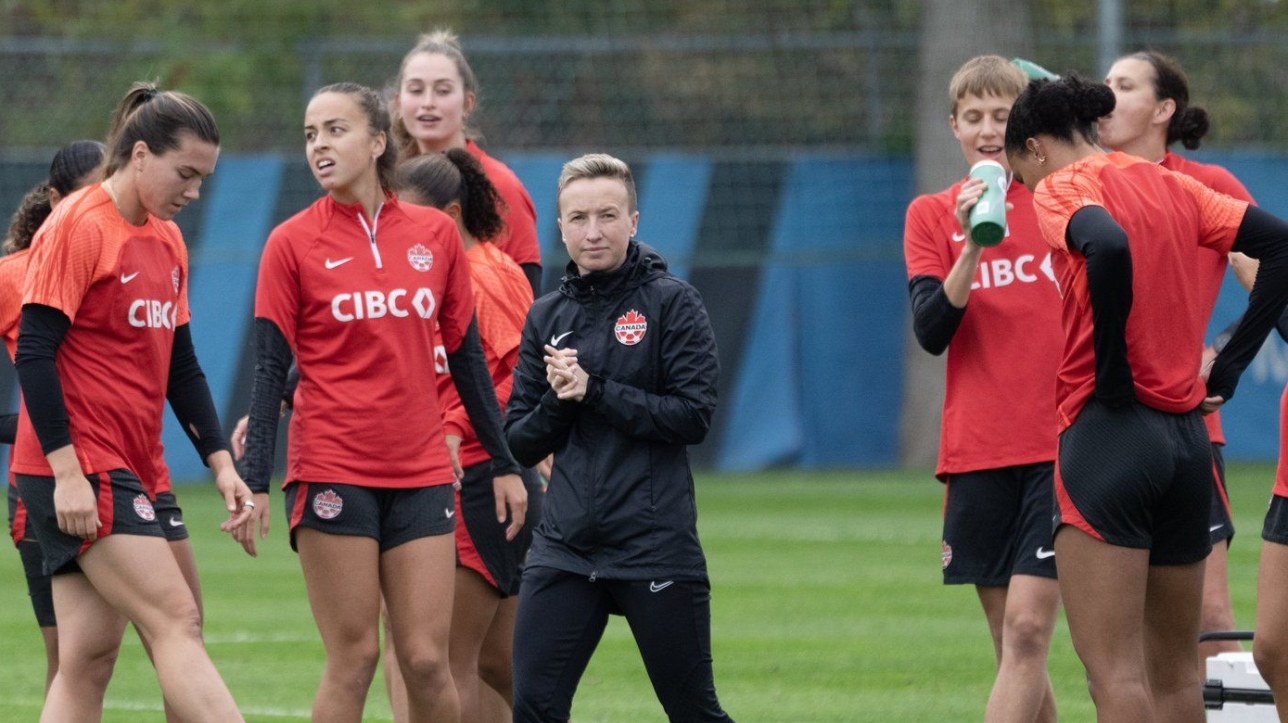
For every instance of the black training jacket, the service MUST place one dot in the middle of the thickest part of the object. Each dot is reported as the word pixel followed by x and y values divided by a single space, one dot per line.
pixel 620 505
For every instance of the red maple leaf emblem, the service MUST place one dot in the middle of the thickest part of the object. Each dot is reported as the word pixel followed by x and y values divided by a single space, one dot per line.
pixel 631 328
pixel 328 505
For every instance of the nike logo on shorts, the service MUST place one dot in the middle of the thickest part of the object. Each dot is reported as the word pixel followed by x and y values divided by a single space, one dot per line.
pixel 555 339
pixel 659 587
pixel 1044 554
pixel 450 513
pixel 176 522
pixel 1214 528
pixel 332 264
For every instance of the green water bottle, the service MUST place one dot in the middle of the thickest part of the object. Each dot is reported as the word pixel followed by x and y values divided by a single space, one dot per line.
pixel 988 215
pixel 1033 70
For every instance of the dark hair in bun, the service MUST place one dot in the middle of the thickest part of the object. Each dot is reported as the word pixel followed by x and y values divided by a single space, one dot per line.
pixel 1059 108
pixel 1189 123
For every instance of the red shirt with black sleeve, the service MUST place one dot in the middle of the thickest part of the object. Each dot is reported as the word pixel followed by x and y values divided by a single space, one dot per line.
pixel 357 301
pixel 999 399
pixel 502 296
pixel 1211 264
pixel 519 238
pixel 1167 217
pixel 125 290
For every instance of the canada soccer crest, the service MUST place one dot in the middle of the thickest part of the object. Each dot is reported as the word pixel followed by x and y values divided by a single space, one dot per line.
pixel 327 505
pixel 174 277
pixel 947 555
pixel 143 508
pixel 631 328
pixel 420 258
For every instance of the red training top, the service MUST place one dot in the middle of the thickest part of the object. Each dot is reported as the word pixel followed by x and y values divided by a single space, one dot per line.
pixel 1211 264
pixel 519 238
pixel 502 296
pixel 999 401
pixel 125 290
pixel 358 308
pixel 13 271
pixel 1165 214
pixel 1281 473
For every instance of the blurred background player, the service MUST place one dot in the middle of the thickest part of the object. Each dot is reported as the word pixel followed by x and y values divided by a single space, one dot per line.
pixel 436 93
pixel 1151 113
pixel 107 280
pixel 1134 478
pixel 488 564
pixel 998 439
pixel 617 376
pixel 76 165
pixel 353 287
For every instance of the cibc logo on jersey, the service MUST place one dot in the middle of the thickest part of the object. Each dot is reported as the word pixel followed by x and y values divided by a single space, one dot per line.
pixel 996 273
pixel 379 304
pixel 152 314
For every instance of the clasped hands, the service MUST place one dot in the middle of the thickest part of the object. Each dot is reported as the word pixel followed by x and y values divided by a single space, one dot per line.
pixel 565 375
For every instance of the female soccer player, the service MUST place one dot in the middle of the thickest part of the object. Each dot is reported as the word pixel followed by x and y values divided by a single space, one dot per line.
pixel 1152 112
pixel 617 376
pixel 75 166
pixel 1133 479
pixel 353 287
pixel 1270 642
pixel 997 442
pixel 436 95
pixel 108 281
pixel 488 564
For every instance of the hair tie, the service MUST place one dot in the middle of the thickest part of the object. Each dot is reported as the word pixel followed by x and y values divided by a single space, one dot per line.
pixel 149 94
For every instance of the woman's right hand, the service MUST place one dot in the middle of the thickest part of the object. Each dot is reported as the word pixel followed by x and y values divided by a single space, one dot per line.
pixel 76 506
pixel 969 195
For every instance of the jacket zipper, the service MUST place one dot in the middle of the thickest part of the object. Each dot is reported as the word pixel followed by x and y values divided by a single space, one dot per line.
pixel 371 232
pixel 594 484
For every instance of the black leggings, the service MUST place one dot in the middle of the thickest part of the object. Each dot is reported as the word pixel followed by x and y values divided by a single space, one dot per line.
pixel 562 616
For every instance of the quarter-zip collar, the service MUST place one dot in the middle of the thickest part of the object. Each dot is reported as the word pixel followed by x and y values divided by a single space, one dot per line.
pixel 369 227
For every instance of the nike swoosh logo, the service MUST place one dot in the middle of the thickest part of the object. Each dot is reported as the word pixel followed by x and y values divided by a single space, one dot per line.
pixel 332 264
pixel 176 522
pixel 554 340
pixel 450 513
pixel 127 279
pixel 654 587
pixel 959 237
pixel 1044 554
pixel 1214 528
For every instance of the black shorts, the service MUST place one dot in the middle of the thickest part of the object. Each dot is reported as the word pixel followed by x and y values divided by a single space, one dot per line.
pixel 1137 477
pixel 170 517
pixel 1220 521
pixel 391 516
pixel 39 586
pixel 997 523
pixel 1275 528
pixel 480 540
pixel 125 510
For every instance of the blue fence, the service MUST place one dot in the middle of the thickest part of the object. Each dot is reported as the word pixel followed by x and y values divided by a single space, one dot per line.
pixel 799 260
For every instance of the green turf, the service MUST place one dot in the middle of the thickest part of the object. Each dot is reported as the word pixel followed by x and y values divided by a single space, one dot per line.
pixel 826 606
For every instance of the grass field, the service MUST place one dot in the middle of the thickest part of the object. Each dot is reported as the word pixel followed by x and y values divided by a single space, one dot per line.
pixel 827 606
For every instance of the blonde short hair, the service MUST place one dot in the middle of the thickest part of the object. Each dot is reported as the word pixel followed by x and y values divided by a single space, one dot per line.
pixel 597 165
pixel 986 75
